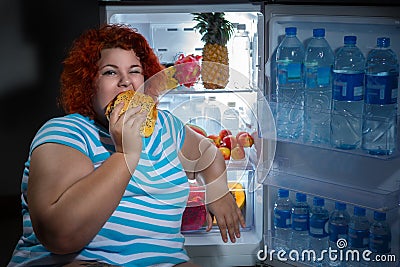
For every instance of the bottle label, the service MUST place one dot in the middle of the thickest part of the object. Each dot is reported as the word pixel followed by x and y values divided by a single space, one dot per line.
pixel 379 243
pixel 348 87
pixel 337 231
pixel 289 72
pixel 317 76
pixel 318 227
pixel 282 218
pixel 381 90
pixel 358 238
pixel 300 222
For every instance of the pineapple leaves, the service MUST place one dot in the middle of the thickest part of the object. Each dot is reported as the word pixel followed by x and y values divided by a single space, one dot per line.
pixel 213 27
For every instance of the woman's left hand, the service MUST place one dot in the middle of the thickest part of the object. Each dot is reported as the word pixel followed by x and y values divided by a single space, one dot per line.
pixel 228 215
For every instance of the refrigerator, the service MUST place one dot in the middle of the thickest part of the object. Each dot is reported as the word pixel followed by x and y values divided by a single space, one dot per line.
pixel 271 163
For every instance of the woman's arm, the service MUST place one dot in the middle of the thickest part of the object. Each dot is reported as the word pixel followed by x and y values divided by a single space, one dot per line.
pixel 200 156
pixel 68 200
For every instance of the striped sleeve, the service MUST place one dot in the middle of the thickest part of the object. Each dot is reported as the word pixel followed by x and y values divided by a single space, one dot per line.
pixel 176 127
pixel 63 130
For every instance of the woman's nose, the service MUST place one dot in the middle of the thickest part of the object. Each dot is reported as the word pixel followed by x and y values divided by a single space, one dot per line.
pixel 125 82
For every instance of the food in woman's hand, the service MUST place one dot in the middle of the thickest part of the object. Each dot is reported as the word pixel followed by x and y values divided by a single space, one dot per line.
pixel 133 99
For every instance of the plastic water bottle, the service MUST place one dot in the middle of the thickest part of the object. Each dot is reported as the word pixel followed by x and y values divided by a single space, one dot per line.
pixel 241 52
pixel 282 220
pixel 230 118
pixel 338 232
pixel 358 235
pixel 290 86
pixel 212 115
pixel 300 222
pixel 319 217
pixel 318 63
pixel 380 110
pixel 379 234
pixel 347 95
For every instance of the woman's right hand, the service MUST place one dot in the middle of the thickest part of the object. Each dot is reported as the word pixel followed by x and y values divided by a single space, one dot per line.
pixel 125 129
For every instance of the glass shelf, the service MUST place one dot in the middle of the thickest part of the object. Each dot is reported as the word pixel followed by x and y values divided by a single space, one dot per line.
pixel 369 198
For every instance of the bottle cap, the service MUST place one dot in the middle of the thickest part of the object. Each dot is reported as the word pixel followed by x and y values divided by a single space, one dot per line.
pixel 231 104
pixel 350 39
pixel 383 42
pixel 241 27
pixel 340 206
pixel 379 216
pixel 359 211
pixel 290 30
pixel 283 193
pixel 300 197
pixel 319 32
pixel 212 98
pixel 317 201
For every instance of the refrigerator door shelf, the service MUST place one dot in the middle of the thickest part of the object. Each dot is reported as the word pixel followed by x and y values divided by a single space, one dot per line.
pixel 369 198
pixel 365 22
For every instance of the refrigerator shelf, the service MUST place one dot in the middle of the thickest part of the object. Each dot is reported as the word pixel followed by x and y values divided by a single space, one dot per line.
pixel 198 88
pixel 369 198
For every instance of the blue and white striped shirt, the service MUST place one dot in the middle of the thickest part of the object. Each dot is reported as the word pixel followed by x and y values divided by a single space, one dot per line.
pixel 144 230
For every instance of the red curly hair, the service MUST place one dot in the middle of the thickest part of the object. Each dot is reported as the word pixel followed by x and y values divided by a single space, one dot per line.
pixel 80 66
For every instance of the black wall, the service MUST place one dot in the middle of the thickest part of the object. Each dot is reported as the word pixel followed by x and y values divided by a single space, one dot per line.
pixel 35 37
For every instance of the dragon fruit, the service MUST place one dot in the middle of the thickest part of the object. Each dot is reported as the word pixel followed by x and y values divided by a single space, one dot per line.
pixel 187 69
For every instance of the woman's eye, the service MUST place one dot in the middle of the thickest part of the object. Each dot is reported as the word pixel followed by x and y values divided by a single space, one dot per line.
pixel 109 72
pixel 136 71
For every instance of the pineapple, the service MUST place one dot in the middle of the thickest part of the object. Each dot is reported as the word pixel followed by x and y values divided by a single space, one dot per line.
pixel 216 32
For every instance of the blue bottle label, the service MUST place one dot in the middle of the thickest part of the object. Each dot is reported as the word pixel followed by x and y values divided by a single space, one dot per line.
pixel 323 76
pixel 289 72
pixel 381 90
pixel 300 222
pixel 348 87
pixel 318 76
pixel 318 227
pixel 282 218
pixel 379 243
pixel 358 238
pixel 337 231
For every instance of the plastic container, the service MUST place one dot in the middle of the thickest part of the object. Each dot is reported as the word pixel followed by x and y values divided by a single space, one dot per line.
pixel 380 234
pixel 230 118
pixel 282 220
pixel 241 56
pixel 338 230
pixel 212 115
pixel 319 217
pixel 347 95
pixel 318 63
pixel 290 86
pixel 300 222
pixel 380 111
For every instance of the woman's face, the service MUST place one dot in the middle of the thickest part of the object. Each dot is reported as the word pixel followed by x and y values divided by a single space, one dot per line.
pixel 119 70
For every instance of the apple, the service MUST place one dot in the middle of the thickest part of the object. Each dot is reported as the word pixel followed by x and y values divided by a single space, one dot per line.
pixel 215 139
pixel 239 133
pixel 238 153
pixel 197 129
pixel 224 132
pixel 245 139
pixel 230 141
pixel 226 152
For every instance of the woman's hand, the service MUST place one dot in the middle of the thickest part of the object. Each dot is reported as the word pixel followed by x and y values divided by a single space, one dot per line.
pixel 228 215
pixel 125 129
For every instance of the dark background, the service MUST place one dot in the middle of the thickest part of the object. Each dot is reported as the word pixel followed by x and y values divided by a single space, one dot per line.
pixel 35 37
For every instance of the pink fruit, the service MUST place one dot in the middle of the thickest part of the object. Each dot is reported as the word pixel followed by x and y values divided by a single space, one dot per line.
pixel 194 216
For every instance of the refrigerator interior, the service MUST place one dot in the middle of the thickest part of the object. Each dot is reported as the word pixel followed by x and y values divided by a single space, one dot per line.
pixel 353 177
pixel 169 31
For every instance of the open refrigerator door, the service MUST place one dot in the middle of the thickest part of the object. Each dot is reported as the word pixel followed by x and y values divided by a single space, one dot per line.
pixel 353 177
pixel 170 31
